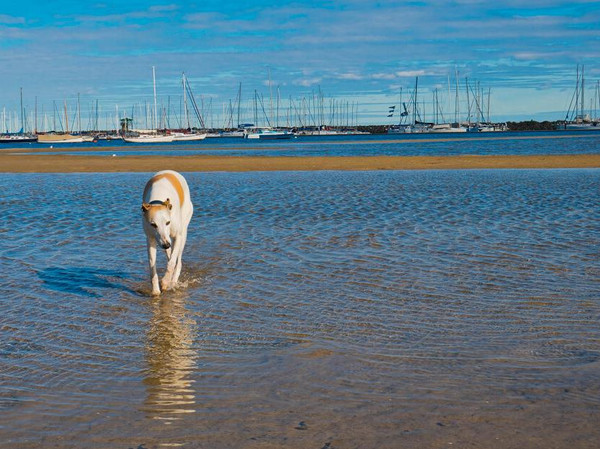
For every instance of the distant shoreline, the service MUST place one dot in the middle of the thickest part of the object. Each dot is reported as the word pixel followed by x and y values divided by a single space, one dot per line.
pixel 15 162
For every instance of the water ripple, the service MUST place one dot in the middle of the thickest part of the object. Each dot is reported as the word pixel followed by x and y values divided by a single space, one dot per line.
pixel 362 298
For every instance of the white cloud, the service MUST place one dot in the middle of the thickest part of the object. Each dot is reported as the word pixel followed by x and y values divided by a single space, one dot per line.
pixel 383 76
pixel 308 82
pixel 410 73
pixel 11 20
pixel 350 76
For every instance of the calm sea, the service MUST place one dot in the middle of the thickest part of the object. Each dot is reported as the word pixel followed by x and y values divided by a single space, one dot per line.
pixel 521 143
pixel 317 310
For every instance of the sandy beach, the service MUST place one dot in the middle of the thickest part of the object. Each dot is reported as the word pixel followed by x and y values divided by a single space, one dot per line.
pixel 17 162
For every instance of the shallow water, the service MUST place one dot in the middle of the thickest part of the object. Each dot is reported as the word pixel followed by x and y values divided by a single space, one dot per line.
pixel 317 309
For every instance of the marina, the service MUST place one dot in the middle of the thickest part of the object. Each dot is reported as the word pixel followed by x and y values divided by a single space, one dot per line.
pixel 300 225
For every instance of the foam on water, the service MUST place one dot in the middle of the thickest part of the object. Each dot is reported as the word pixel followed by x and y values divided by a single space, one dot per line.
pixel 380 309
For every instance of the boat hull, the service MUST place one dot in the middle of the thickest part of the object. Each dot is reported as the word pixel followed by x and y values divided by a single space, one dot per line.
pixel 269 135
pixel 149 139
pixel 188 137
pixel 17 139
pixel 582 126
pixel 62 138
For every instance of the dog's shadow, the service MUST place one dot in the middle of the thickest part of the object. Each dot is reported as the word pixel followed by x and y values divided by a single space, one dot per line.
pixel 83 280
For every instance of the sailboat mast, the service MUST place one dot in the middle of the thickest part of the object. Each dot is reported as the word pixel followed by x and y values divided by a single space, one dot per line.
pixel 415 100
pixel 185 107
pixel 576 94
pixel 468 102
pixel 155 107
pixel 239 104
pixel 78 114
pixel 582 94
pixel 488 104
pixel 36 116
pixel 270 98
pixel 66 118
pixel 456 102
pixel 277 120
pixel 22 113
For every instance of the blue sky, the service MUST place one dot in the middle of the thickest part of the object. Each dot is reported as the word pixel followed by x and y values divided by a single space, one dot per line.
pixel 360 52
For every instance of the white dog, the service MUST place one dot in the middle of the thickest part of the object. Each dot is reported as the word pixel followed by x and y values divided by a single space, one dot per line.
pixel 166 210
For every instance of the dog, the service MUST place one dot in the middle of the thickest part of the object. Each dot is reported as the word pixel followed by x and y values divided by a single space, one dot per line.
pixel 166 213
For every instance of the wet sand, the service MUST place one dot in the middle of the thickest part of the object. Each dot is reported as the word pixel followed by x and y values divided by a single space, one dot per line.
pixel 16 162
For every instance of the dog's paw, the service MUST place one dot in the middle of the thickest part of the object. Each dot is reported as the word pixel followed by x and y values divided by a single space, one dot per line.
pixel 155 292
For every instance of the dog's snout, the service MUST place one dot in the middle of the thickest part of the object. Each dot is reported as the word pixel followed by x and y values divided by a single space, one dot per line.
pixel 166 245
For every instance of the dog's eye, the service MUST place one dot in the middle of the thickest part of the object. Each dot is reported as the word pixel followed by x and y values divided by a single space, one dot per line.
pixel 154 225
pixel 168 223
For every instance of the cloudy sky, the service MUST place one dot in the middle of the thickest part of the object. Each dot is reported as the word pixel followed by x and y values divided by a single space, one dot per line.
pixel 361 52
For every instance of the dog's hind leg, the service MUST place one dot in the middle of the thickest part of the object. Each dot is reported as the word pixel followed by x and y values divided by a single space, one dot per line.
pixel 151 245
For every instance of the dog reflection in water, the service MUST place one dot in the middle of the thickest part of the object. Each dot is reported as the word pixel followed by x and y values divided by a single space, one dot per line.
pixel 170 359
pixel 166 210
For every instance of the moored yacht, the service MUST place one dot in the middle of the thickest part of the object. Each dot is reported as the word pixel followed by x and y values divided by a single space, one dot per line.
pixel 63 138
pixel 179 137
pixel 148 138
pixel 267 133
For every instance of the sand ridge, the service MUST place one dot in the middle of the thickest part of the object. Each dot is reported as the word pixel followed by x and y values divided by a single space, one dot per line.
pixel 11 162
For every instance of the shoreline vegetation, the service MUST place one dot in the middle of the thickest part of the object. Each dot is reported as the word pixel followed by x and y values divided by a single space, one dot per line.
pixel 527 125
pixel 65 163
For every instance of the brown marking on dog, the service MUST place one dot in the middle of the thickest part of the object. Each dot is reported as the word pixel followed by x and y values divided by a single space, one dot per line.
pixel 153 210
pixel 172 179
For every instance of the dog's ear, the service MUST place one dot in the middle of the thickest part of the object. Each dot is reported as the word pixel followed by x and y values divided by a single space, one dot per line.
pixel 168 204
pixel 145 207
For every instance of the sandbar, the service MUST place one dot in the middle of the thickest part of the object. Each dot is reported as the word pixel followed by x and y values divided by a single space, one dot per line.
pixel 16 162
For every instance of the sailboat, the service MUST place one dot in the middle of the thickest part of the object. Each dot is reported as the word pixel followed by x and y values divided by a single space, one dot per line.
pixel 265 132
pixel 188 135
pixel 65 137
pixel 417 126
pixel 183 137
pixel 448 127
pixel 19 137
pixel 154 136
pixel 580 121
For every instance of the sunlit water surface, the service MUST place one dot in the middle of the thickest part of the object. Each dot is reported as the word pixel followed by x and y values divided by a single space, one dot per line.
pixel 317 310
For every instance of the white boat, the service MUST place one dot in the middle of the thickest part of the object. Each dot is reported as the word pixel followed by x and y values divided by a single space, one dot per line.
pixel 17 138
pixel 236 133
pixel 414 128
pixel 177 137
pixel 63 138
pixel 448 128
pixel 267 133
pixel 580 120
pixel 487 127
pixel 417 125
pixel 149 138
pixel 583 126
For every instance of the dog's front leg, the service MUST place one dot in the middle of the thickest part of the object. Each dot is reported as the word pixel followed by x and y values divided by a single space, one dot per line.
pixel 167 280
pixel 151 245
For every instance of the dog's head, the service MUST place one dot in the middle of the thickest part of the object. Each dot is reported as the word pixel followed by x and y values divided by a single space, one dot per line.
pixel 157 219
